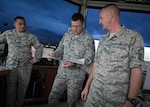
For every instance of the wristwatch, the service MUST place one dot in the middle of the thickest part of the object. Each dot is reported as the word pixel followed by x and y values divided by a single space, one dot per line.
pixel 132 101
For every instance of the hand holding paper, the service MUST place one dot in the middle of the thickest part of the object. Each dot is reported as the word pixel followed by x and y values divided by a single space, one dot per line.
pixel 77 61
pixel 47 52
pixel 51 57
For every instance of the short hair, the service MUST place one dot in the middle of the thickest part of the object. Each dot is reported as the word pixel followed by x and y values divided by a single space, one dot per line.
pixel 77 16
pixel 114 7
pixel 19 17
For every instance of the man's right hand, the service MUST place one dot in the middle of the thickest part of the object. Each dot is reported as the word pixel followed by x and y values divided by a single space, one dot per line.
pixel 84 94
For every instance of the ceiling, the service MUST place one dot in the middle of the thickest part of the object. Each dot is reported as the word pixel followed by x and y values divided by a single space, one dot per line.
pixel 135 5
pixel 50 19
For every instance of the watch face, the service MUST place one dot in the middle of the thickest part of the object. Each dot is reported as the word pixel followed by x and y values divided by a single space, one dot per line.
pixel 134 101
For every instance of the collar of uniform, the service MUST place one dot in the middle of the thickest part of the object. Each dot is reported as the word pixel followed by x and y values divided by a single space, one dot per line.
pixel 77 36
pixel 19 34
pixel 116 34
pixel 120 31
pixel 109 36
pixel 14 32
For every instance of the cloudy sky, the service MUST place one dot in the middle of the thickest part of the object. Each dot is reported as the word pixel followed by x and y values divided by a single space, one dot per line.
pixel 50 19
pixel 132 20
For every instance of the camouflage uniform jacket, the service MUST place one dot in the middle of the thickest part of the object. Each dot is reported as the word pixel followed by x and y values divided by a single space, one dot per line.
pixel 76 47
pixel 115 57
pixel 19 47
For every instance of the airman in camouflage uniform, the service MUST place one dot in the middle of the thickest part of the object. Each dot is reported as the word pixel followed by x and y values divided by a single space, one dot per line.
pixel 75 44
pixel 19 61
pixel 117 55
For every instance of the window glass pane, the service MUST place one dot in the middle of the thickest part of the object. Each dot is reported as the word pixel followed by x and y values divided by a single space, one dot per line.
pixel 133 20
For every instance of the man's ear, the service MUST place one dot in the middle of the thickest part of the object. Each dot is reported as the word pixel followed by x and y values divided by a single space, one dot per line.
pixel 83 25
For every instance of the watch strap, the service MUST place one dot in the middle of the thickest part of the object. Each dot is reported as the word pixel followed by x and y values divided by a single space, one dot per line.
pixel 132 101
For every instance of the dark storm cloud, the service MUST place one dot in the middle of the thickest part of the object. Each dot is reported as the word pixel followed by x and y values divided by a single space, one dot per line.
pixel 50 19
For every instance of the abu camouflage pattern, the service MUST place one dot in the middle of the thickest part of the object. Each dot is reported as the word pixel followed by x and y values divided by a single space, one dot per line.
pixel 115 57
pixel 72 47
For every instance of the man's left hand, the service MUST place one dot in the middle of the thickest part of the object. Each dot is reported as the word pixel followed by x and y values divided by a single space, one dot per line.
pixel 68 64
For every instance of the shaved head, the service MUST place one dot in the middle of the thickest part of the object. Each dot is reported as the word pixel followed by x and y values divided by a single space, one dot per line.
pixel 110 17
pixel 112 8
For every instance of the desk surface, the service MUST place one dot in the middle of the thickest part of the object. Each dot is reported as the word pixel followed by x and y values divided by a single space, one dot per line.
pixel 4 71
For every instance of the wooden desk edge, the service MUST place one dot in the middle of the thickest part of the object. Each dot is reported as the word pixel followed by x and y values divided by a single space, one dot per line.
pixel 4 72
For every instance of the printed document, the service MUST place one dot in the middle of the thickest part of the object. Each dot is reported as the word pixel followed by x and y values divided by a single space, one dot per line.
pixel 77 61
pixel 46 52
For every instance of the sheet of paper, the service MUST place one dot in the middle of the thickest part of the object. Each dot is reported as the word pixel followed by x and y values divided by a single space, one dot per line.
pixel 54 58
pixel 78 61
pixel 46 52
